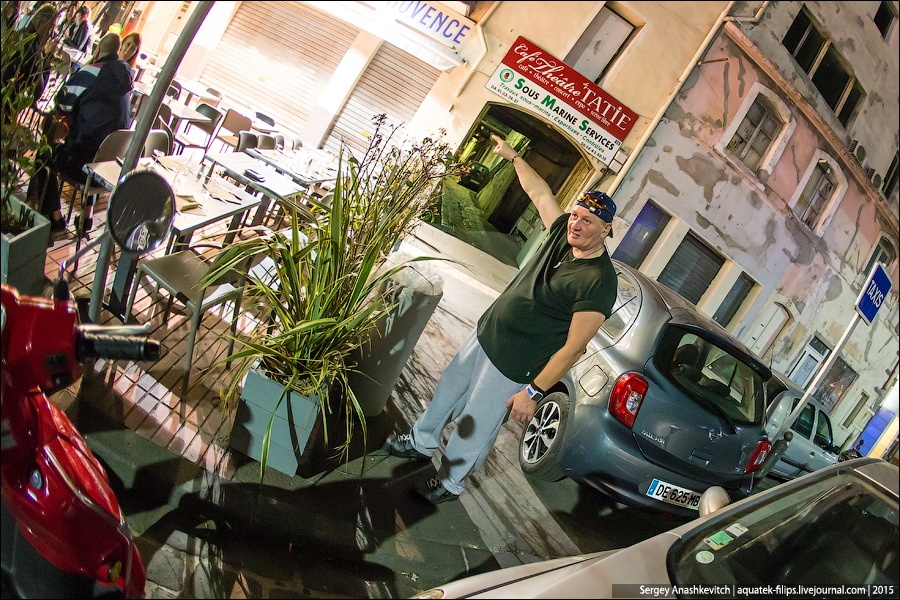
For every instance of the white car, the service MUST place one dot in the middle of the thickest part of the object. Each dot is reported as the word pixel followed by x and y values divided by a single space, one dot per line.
pixel 836 526
pixel 812 445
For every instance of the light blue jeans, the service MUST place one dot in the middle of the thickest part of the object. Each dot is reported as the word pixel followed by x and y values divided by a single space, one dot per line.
pixel 473 394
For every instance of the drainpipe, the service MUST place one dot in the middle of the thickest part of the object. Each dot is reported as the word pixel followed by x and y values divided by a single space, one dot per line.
pixel 754 19
pixel 659 115
pixel 484 53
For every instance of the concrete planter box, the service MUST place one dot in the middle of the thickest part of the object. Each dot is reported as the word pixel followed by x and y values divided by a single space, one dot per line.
pixel 383 355
pixel 24 255
pixel 292 429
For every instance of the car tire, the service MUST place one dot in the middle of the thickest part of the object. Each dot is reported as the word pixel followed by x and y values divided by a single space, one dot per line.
pixel 540 443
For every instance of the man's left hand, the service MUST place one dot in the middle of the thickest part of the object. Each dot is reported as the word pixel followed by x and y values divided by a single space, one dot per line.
pixel 522 407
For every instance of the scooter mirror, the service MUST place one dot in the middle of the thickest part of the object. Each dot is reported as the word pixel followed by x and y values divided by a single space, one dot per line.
pixel 140 212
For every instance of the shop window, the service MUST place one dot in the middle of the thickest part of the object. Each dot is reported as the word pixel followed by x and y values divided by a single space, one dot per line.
pixel 600 44
pixel 691 269
pixel 835 384
pixel 819 188
pixel 890 179
pixel 641 236
pixel 885 18
pixel 827 69
pixel 813 355
pixel 755 134
pixel 734 300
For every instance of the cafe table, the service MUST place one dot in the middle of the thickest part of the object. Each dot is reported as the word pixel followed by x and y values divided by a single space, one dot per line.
pixel 193 88
pixel 212 200
pixel 223 200
pixel 307 166
pixel 272 185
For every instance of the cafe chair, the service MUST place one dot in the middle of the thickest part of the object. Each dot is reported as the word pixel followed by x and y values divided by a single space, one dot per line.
pixel 174 90
pixel 246 140
pixel 182 141
pixel 214 102
pixel 279 141
pixel 265 119
pixel 163 126
pixel 233 123
pixel 180 275
pixel 165 113
pixel 158 139
pixel 113 146
pixel 298 143
pixel 266 142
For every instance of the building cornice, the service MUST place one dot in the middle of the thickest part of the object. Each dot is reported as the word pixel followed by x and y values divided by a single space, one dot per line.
pixel 809 111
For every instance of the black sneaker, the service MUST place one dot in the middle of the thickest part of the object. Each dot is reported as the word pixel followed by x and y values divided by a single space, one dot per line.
pixel 57 225
pixel 401 446
pixel 435 493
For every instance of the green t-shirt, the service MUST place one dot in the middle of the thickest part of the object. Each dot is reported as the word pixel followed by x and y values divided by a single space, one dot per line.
pixel 529 322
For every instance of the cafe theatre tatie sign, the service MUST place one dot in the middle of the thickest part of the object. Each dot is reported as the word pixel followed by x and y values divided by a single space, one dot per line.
pixel 541 83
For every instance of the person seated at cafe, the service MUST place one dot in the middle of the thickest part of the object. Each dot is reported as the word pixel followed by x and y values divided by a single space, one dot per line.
pixel 32 65
pixel 78 35
pixel 102 108
pixel 130 49
pixel 107 49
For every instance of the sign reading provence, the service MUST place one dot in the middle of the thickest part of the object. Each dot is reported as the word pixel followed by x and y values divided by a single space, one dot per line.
pixel 543 84
pixel 432 19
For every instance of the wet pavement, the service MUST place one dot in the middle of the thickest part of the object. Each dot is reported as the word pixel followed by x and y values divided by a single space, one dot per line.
pixel 207 528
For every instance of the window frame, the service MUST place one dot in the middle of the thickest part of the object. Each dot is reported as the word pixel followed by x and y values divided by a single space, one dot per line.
pixel 779 143
pixel 636 27
pixel 829 207
pixel 827 46
pixel 892 10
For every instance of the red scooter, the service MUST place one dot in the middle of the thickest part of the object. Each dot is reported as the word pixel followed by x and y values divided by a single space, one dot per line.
pixel 69 537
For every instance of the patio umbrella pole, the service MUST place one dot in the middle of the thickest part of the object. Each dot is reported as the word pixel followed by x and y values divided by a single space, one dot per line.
pixel 128 262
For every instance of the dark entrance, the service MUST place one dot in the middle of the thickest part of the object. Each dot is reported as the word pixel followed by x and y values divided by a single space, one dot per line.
pixel 487 207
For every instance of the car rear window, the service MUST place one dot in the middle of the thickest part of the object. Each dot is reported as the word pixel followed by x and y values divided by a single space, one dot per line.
pixel 711 376
pixel 832 531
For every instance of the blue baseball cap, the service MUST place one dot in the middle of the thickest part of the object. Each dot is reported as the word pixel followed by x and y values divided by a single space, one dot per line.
pixel 599 204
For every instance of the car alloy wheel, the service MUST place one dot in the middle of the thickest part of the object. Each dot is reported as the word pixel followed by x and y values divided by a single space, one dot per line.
pixel 542 438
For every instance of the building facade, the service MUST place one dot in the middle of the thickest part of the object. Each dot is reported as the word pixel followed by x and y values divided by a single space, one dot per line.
pixel 758 177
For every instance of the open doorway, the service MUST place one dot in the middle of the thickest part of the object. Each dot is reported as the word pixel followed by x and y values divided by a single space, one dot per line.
pixel 486 207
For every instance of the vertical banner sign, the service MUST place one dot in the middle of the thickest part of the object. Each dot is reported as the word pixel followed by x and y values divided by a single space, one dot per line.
pixel 543 84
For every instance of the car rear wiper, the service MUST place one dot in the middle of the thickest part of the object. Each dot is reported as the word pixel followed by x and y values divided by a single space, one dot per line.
pixel 720 412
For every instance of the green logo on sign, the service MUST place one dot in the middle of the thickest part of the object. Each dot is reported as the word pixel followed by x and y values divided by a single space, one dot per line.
pixel 506 75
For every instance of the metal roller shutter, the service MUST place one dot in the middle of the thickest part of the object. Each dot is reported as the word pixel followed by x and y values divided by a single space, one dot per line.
pixel 277 57
pixel 395 83
pixel 691 269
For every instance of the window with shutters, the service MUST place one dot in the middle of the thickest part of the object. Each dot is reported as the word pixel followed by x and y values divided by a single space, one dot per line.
pixel 883 252
pixel 827 69
pixel 692 268
pixel 600 44
pixel 755 134
pixel 890 179
pixel 818 191
pixel 642 235
pixel 734 300
pixel 885 18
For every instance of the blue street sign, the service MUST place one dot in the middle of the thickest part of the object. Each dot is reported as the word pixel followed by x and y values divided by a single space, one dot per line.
pixel 873 294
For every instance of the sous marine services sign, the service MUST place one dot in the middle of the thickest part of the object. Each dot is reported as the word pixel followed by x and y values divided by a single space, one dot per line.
pixel 542 84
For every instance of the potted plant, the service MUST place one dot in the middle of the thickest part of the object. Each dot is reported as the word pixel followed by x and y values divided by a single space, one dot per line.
pixel 25 232
pixel 318 292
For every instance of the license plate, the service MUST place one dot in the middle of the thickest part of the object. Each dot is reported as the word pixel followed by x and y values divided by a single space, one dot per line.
pixel 672 494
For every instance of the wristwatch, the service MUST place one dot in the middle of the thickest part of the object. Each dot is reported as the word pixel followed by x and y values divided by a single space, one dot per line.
pixel 536 393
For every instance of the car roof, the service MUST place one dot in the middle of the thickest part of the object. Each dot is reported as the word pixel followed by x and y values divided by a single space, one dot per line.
pixel 685 312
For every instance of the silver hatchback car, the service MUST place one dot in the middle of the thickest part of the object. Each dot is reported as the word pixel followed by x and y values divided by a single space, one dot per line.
pixel 664 404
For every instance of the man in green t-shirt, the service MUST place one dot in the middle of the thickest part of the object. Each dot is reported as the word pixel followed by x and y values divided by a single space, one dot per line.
pixel 525 342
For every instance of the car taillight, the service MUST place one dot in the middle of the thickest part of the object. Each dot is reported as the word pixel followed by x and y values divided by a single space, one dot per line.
pixel 627 395
pixel 759 455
